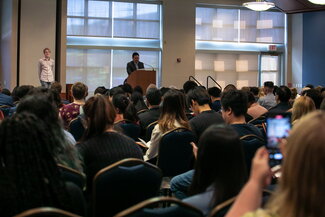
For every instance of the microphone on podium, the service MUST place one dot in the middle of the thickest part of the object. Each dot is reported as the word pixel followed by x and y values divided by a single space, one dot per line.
pixel 153 69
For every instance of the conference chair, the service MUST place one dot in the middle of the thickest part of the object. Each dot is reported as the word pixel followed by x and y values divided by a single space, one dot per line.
pixel 46 212
pixel 175 154
pixel 149 130
pixel 141 111
pixel 72 175
pixel 76 128
pixel 129 129
pixel 124 184
pixel 150 208
pixel 251 143
pixel 260 123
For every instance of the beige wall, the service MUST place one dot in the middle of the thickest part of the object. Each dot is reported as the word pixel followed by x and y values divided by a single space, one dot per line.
pixel 38 23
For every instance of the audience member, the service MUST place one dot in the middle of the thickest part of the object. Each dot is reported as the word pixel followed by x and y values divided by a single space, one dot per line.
pixel 153 96
pixel 30 177
pixel 115 91
pixel 6 92
pixel 215 94
pixel 42 105
pixel 172 116
pixel 5 99
pixel 315 95
pixel 71 111
pixel 255 91
pixel 127 88
pixel 199 100
pixel 138 89
pixel 101 90
pixel 20 93
pixel 254 109
pixel 189 85
pixel 102 145
pixel 220 171
pixel 302 106
pixel 268 101
pixel 138 102
pixel 282 96
pixel 229 87
pixel 123 108
pixel 302 184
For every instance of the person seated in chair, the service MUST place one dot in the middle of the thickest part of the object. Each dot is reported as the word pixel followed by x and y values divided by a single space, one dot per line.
pixel 268 101
pixel 282 95
pixel 5 99
pixel 153 96
pixel 199 100
pixel 215 93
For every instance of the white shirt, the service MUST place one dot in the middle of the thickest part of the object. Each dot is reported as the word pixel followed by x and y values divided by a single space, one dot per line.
pixel 46 70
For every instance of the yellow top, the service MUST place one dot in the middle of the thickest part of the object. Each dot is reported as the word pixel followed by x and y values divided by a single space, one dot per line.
pixel 260 213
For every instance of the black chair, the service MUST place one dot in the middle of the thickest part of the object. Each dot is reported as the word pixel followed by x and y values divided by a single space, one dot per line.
pixel 46 212
pixel 131 130
pixel 260 123
pixel 149 208
pixel 141 111
pixel 251 143
pixel 76 128
pixel 124 184
pixel 222 209
pixel 149 130
pixel 175 154
pixel 74 176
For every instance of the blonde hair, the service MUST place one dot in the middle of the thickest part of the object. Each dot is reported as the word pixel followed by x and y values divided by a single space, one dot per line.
pixel 301 107
pixel 302 185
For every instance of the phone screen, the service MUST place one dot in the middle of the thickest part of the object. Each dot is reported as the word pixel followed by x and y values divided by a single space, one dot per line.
pixel 278 127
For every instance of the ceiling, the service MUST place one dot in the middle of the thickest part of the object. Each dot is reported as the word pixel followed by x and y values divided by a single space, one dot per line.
pixel 296 6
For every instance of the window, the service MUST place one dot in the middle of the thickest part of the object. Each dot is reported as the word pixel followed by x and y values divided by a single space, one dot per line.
pixel 270 70
pixel 102 35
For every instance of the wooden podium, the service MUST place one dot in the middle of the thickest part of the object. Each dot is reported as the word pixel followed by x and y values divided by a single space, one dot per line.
pixel 142 78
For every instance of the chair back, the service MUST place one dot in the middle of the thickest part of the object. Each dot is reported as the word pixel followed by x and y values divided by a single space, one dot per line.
pixel 141 111
pixel 72 175
pixel 149 208
pixel 175 154
pixel 149 130
pixel 76 128
pixel 46 212
pixel 124 184
pixel 260 123
pixel 251 143
pixel 131 130
pixel 222 209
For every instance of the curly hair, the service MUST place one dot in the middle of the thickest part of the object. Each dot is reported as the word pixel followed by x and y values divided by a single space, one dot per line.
pixel 30 171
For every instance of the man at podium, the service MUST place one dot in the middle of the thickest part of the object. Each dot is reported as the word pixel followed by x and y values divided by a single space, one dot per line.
pixel 135 64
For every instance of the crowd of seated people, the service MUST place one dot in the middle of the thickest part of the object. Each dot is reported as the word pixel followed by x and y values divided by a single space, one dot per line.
pixel 35 138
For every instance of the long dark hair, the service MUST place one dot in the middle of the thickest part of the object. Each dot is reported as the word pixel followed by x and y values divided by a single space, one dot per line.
pixel 100 115
pixel 31 175
pixel 124 106
pixel 220 163
pixel 173 109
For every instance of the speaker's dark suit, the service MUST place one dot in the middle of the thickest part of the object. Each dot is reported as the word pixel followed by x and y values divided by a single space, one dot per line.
pixel 130 67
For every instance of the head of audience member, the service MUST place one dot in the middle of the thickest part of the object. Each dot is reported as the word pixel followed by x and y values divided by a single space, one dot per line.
pixel 56 86
pixel 294 196
pixel 220 164
pixel 115 91
pixel 234 106
pixel 251 99
pixel 14 94
pixel 6 91
pixel 283 94
pixel 310 86
pixel 135 57
pixel 47 53
pixel 214 93
pixel 125 108
pixel 138 101
pixel 22 91
pixel 153 97
pixel 100 90
pixel 100 115
pixel 246 89
pixel 198 99
pixel 32 178
pixel 302 106
pixel 164 90
pixel 173 109
pixel 79 91
pixel 138 89
pixel 315 95
pixel 189 85
pixel 268 87
pixel 52 96
pixel 229 87
pixel 294 93
pixel 127 88
pixel 255 91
